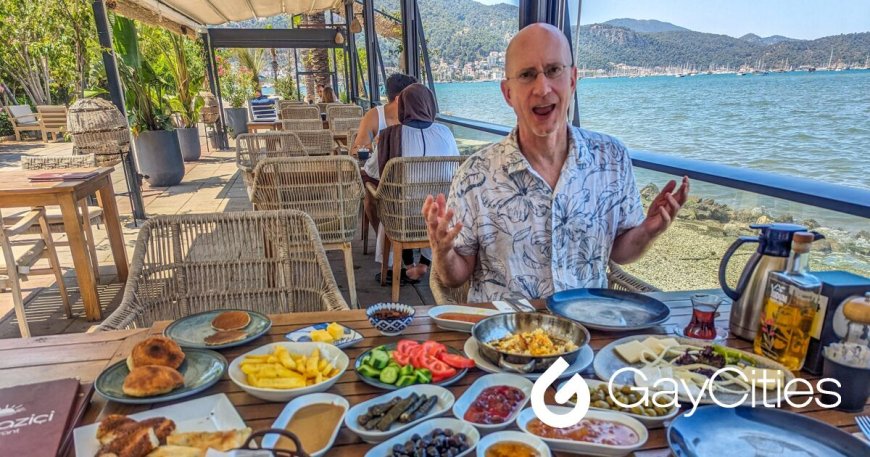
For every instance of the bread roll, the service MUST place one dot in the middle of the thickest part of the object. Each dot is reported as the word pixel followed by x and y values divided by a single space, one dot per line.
pixel 152 380
pixel 156 350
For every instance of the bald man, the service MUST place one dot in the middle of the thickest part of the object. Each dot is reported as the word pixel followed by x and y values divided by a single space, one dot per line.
pixel 544 209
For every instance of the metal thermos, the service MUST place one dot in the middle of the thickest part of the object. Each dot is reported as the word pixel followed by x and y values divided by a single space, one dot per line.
pixel 774 244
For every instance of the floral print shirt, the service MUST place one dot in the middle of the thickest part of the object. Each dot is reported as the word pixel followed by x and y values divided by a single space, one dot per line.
pixel 531 240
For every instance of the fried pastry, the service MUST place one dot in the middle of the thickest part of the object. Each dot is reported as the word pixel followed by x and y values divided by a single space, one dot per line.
pixel 221 441
pixel 231 320
pixel 156 350
pixel 136 443
pixel 224 337
pixel 152 380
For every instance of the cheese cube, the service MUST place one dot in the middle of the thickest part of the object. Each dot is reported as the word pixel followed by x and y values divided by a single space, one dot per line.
pixel 631 351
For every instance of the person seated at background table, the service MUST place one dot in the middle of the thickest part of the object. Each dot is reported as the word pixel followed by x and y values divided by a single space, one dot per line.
pixel 416 135
pixel 260 99
pixel 372 123
pixel 547 207
pixel 328 95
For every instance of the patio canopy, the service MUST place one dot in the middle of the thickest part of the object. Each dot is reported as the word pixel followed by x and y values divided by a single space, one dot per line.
pixel 193 16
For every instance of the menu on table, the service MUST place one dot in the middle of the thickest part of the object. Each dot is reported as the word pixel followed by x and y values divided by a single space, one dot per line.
pixel 35 417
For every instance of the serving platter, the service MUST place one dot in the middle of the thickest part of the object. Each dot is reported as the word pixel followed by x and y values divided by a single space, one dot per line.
pixel 201 369
pixel 191 331
pixel 713 431
pixel 584 359
pixel 499 379
pixel 385 449
pixel 583 447
pixel 608 362
pixel 609 310
pixel 303 335
pixel 392 347
pixel 650 422
pixel 444 403
pixel 207 414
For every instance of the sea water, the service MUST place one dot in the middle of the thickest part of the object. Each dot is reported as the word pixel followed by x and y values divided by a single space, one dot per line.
pixel 810 125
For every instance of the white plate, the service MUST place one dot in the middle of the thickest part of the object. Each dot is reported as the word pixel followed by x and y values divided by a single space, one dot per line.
pixel 445 401
pixel 303 335
pixel 336 357
pixel 458 326
pixel 207 414
pixel 584 448
pixel 649 422
pixel 516 437
pixel 499 379
pixel 269 441
pixel 385 449
pixel 584 359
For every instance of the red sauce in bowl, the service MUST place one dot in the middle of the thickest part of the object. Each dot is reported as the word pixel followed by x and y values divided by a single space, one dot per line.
pixel 462 317
pixel 495 405
pixel 588 430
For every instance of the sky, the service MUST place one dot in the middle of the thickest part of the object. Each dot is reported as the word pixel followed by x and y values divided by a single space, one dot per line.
pixel 804 19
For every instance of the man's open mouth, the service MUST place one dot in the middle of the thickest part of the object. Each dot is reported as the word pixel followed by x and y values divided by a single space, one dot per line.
pixel 544 110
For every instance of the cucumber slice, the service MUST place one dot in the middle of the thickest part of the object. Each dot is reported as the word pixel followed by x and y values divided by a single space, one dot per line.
pixel 389 375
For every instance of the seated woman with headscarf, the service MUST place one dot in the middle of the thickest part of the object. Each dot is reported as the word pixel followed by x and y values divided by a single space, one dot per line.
pixel 417 135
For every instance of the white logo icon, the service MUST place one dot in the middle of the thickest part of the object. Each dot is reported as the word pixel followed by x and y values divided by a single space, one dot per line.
pixel 9 410
pixel 575 385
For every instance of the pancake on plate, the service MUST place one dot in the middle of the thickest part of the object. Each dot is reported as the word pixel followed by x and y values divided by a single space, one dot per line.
pixel 156 350
pixel 224 337
pixel 231 320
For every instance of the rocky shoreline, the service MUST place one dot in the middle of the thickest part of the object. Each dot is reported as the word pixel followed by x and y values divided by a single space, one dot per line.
pixel 687 256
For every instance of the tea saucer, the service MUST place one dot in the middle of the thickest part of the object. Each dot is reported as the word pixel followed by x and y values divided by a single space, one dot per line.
pixel 721 334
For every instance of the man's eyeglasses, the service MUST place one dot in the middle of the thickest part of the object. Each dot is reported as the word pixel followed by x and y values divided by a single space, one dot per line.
pixel 530 75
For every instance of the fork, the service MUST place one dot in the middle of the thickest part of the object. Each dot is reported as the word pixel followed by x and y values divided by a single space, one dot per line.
pixel 863 424
pixel 519 305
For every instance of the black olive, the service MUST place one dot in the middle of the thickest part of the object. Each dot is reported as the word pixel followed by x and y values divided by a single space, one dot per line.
pixel 437 431
pixel 448 432
pixel 462 438
pixel 415 437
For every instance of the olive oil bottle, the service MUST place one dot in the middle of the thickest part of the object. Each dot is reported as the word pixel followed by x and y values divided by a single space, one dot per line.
pixel 790 304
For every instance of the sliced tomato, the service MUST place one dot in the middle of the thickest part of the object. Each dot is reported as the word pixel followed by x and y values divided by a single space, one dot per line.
pixel 440 370
pixel 417 357
pixel 401 358
pixel 433 348
pixel 404 346
pixel 455 360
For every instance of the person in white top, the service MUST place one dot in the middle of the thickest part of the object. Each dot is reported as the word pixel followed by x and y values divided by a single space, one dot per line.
pixel 375 120
pixel 417 136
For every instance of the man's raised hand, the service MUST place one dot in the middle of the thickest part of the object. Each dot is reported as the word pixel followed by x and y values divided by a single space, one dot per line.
pixel 438 218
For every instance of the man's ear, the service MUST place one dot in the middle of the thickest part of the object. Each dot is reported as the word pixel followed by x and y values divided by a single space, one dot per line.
pixel 506 92
pixel 573 78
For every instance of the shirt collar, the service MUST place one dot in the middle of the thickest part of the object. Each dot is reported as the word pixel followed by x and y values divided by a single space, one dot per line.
pixel 516 161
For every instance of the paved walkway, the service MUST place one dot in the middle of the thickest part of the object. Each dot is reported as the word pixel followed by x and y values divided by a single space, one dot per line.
pixel 212 184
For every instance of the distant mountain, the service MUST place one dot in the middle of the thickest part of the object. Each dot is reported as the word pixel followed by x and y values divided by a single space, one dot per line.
pixel 646 25
pixel 773 39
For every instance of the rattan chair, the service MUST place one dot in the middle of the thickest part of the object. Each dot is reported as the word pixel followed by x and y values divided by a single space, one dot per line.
pixel 300 112
pixel 619 279
pixel 294 125
pixel 329 189
pixel 253 147
pixel 339 128
pixel 317 142
pixel 265 261
pixel 343 111
pixel 404 185
pixel 289 104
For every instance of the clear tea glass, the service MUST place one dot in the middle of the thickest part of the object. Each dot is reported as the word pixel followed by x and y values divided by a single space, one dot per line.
pixel 703 323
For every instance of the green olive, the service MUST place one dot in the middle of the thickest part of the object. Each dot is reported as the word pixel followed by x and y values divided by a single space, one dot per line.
pixel 601 404
pixel 625 389
pixel 649 412
pixel 637 410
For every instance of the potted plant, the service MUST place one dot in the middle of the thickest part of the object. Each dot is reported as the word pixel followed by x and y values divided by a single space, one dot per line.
pixel 187 102
pixel 157 150
pixel 237 88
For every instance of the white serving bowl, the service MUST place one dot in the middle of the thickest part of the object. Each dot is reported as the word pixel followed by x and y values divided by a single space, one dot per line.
pixel 385 449
pixel 500 379
pixel 445 401
pixel 270 441
pixel 584 448
pixel 458 326
pixel 649 421
pixel 334 355
pixel 515 436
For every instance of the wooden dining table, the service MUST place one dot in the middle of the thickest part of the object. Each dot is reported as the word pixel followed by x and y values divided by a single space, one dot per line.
pixel 16 191
pixel 85 355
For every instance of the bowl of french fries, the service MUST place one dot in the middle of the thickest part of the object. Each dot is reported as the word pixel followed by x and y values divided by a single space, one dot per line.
pixel 281 371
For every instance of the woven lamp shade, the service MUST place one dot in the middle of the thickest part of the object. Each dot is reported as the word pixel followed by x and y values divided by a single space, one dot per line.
pixel 98 128
pixel 209 113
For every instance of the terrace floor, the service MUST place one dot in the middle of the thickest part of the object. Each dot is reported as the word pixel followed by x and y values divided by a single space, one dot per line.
pixel 212 184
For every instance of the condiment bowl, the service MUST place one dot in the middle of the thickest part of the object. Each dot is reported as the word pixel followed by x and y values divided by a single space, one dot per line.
pixel 445 401
pixel 648 421
pixel 457 426
pixel 586 448
pixel 517 437
pixel 474 390
pixel 391 327
pixel 334 355
pixel 283 420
